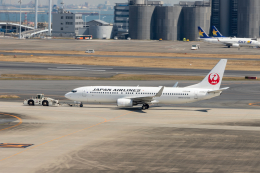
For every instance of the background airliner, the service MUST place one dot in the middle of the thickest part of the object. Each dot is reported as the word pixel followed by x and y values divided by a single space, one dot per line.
pixel 129 96
pixel 217 34
pixel 228 41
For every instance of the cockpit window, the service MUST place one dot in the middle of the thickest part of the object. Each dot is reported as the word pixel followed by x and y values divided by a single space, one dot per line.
pixel 74 91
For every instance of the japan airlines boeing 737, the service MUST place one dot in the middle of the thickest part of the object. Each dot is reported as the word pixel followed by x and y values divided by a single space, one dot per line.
pixel 123 96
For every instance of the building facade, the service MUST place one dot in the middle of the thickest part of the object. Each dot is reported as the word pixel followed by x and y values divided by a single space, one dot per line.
pixel 66 24
pixel 248 18
pixel 149 22
pixel 225 16
pixel 121 20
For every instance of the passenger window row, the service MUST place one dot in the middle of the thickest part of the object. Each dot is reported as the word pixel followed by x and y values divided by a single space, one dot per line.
pixel 186 94
pixel 139 93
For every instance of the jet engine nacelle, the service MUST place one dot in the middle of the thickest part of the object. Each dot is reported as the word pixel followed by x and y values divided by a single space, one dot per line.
pixel 125 103
pixel 235 45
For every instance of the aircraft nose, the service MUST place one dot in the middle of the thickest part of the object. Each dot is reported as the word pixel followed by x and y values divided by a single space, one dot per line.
pixel 67 95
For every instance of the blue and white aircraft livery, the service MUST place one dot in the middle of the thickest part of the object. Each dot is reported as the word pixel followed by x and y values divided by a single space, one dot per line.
pixel 216 33
pixel 124 96
pixel 228 41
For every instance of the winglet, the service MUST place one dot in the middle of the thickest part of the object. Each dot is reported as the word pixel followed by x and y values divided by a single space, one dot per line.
pixel 175 85
pixel 160 92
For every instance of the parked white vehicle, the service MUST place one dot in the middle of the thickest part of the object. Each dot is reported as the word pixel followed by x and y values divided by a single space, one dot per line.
pixel 195 47
pixel 90 51
pixel 41 100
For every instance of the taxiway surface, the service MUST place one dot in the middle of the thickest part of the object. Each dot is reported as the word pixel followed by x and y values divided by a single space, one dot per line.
pixel 108 139
pixel 104 71
pixel 240 95
pixel 121 46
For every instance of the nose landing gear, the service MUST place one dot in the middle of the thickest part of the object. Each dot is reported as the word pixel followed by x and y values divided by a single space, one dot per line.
pixel 145 106
pixel 81 104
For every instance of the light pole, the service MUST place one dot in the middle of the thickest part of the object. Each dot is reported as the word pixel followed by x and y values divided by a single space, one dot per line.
pixel 20 18
pixel 85 19
pixel 49 26
pixel 36 14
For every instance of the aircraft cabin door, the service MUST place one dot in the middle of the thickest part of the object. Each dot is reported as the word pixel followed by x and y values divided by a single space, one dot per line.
pixel 196 95
pixel 84 94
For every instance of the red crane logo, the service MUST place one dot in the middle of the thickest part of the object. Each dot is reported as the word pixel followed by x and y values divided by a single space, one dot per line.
pixel 214 78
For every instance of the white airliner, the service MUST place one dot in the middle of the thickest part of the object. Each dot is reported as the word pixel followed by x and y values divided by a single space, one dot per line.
pixel 235 42
pixel 228 41
pixel 129 96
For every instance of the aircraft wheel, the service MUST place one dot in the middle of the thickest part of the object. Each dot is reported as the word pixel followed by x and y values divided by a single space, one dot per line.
pixel 147 106
pixel 143 107
pixel 228 46
pixel 81 105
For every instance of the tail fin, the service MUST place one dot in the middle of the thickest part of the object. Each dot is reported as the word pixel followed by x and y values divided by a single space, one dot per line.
pixel 216 32
pixel 202 33
pixel 214 78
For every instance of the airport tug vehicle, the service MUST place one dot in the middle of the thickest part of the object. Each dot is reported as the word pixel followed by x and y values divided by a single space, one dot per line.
pixel 41 100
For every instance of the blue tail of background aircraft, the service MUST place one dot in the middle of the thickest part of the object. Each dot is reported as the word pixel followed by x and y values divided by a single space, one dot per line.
pixel 215 32
pixel 202 33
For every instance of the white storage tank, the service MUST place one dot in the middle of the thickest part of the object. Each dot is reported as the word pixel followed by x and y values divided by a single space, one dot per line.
pixel 101 32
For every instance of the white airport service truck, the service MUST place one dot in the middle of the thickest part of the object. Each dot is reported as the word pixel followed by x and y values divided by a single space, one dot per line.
pixel 41 100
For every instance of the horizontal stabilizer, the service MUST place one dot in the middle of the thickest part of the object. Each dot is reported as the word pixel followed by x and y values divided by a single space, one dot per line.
pixel 217 91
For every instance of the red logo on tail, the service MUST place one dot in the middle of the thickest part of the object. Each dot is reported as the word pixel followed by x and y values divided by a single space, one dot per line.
pixel 213 78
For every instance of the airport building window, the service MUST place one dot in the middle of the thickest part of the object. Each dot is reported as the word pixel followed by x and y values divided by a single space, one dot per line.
pixel 69 17
pixel 61 28
pixel 61 17
pixel 61 23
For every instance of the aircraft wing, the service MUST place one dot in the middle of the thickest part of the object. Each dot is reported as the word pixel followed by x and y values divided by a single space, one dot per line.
pixel 226 42
pixel 146 98
pixel 219 90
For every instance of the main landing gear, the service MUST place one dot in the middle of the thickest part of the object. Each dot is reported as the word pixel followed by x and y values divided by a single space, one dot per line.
pixel 81 104
pixel 145 106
